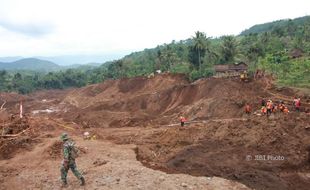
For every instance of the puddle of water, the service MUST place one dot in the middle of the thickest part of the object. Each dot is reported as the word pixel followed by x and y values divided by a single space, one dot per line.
pixel 44 111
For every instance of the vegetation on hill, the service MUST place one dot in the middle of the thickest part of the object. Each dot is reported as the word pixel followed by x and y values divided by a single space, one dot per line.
pixel 31 64
pixel 275 26
pixel 281 48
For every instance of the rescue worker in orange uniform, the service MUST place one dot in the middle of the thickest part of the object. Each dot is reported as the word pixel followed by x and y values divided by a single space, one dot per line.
pixel 285 110
pixel 182 120
pixel 281 106
pixel 264 110
pixel 269 107
pixel 297 104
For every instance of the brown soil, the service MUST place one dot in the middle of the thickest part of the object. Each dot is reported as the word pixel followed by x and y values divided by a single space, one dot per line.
pixel 141 116
pixel 54 151
pixel 222 149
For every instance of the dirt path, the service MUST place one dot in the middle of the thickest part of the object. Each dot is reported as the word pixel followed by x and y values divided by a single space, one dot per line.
pixel 104 165
pixel 206 121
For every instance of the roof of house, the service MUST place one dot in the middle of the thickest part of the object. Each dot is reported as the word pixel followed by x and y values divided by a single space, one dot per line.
pixel 231 67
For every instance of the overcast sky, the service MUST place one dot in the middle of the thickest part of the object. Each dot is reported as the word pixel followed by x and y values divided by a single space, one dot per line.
pixel 61 27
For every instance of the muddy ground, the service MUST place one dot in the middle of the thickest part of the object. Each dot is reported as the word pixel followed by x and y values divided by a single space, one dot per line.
pixel 138 143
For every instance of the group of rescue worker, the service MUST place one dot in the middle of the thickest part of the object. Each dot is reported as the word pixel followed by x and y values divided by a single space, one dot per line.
pixel 269 107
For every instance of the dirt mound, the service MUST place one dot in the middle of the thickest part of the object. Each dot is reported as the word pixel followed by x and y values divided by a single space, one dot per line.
pixel 137 101
pixel 16 136
pixel 16 126
pixel 125 101
pixel 19 135
pixel 259 152
pixel 10 147
pixel 4 116
pixel 113 90
pixel 54 150
pixel 10 101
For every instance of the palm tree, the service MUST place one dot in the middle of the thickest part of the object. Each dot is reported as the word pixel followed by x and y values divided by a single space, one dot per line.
pixel 200 44
pixel 229 48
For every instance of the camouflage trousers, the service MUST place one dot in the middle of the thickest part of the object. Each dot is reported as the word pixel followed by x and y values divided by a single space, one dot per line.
pixel 64 171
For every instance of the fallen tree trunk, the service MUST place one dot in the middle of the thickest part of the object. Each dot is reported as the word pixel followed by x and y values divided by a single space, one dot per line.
pixel 3 105
pixel 15 135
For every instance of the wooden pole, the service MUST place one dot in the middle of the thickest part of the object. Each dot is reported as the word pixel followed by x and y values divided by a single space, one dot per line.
pixel 21 109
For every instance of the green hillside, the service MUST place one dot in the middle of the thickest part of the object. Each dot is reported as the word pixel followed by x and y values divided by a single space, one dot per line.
pixel 280 48
pixel 31 64
pixel 277 25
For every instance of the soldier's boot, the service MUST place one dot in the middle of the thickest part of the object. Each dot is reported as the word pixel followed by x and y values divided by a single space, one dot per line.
pixel 64 184
pixel 82 183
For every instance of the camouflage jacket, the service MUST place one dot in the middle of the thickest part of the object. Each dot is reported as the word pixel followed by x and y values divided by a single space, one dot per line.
pixel 67 148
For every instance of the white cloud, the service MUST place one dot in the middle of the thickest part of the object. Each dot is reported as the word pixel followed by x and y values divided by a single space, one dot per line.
pixel 29 29
pixel 57 27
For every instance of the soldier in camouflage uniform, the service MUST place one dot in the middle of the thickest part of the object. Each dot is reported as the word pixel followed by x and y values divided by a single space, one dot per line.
pixel 69 161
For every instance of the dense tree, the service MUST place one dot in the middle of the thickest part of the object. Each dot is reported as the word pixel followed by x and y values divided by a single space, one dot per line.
pixel 168 58
pixel 270 46
pixel 228 49
pixel 198 49
pixel 3 80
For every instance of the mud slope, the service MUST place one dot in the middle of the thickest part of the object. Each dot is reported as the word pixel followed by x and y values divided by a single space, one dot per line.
pixel 159 100
pixel 225 144
pixel 142 115
pixel 231 149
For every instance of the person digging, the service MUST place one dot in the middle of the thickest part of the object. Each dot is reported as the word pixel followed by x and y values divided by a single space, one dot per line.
pixel 69 154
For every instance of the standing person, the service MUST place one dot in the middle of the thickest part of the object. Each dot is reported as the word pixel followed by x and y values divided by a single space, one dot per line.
pixel 247 109
pixel 182 120
pixel 263 102
pixel 69 153
pixel 296 103
pixel 263 110
pixel 269 108
pixel 281 106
